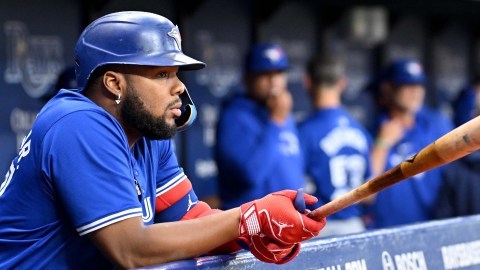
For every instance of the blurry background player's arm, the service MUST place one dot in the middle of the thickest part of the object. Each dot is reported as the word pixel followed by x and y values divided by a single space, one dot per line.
pixel 391 131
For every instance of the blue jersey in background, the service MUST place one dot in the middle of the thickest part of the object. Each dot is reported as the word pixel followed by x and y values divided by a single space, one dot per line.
pixel 337 156
pixel 414 199
pixel 255 156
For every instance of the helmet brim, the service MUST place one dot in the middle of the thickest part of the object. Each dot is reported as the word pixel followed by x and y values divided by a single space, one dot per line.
pixel 183 61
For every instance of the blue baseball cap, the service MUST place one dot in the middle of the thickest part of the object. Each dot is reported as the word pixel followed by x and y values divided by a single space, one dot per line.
pixel 405 71
pixel 266 57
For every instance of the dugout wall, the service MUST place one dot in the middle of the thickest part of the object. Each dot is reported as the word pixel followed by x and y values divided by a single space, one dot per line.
pixel 437 245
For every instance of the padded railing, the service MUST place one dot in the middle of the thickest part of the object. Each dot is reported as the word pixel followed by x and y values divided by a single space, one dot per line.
pixel 444 244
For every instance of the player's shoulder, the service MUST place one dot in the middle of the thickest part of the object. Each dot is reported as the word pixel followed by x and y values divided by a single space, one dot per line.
pixel 355 123
pixel 434 116
pixel 238 103
pixel 72 110
pixel 434 120
pixel 157 145
pixel 156 148
pixel 325 119
pixel 240 110
pixel 68 101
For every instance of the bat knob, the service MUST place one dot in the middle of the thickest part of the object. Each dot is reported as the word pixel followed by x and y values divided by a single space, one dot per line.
pixel 299 202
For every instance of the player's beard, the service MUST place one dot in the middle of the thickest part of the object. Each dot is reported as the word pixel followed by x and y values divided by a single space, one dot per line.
pixel 136 115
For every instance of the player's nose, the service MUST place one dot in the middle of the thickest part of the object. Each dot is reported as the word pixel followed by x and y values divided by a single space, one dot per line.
pixel 178 88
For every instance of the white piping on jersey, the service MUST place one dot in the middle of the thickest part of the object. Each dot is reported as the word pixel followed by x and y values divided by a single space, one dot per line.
pixel 171 184
pixel 148 209
pixel 98 224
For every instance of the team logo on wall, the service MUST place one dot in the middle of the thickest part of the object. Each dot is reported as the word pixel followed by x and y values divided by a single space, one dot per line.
pixel 33 61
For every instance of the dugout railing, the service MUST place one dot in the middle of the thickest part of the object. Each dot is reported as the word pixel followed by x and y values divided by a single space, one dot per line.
pixel 443 244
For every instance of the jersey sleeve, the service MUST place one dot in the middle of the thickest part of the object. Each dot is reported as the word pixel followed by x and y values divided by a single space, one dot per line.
pixel 88 162
pixel 175 196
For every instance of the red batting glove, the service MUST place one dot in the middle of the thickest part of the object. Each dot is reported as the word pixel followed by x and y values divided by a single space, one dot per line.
pixel 275 217
pixel 266 250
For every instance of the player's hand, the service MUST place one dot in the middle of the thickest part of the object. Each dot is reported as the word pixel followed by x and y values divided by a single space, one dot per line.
pixel 276 217
pixel 279 105
pixel 390 133
pixel 267 250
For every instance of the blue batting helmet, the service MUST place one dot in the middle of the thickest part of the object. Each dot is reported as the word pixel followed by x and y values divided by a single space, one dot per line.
pixel 130 37
pixel 134 38
pixel 265 57
pixel 405 71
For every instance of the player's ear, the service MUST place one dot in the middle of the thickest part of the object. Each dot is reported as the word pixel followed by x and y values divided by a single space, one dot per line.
pixel 114 82
pixel 342 84
pixel 307 82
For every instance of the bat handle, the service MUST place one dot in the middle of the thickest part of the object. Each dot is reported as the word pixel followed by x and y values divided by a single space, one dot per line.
pixel 320 213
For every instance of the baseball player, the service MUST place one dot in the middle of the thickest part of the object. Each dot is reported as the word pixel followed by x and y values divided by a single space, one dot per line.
pixel 96 184
pixel 405 127
pixel 458 195
pixel 257 149
pixel 335 146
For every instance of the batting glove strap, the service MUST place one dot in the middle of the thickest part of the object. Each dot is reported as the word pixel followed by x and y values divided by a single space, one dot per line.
pixel 250 224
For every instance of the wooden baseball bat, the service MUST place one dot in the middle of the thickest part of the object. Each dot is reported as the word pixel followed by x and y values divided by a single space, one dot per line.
pixel 455 144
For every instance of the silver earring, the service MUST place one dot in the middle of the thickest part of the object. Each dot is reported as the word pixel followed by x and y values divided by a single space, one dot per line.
pixel 118 99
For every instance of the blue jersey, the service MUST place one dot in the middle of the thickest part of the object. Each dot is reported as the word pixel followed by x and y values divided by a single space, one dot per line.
pixel 254 155
pixel 414 199
pixel 337 156
pixel 75 174
pixel 464 106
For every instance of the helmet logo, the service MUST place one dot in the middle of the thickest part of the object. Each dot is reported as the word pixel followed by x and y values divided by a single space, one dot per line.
pixel 175 34
pixel 274 54
pixel 414 68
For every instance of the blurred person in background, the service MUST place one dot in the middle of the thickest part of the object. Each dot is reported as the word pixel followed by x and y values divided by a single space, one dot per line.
pixel 467 105
pixel 404 127
pixel 461 185
pixel 336 147
pixel 257 150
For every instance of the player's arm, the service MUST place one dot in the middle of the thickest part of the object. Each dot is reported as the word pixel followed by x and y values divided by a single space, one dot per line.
pixel 130 244
pixel 176 201
pixel 391 132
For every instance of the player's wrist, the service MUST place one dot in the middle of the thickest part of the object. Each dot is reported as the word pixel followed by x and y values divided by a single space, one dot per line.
pixel 382 143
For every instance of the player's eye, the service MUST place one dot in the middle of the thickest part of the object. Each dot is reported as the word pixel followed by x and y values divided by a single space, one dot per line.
pixel 163 74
